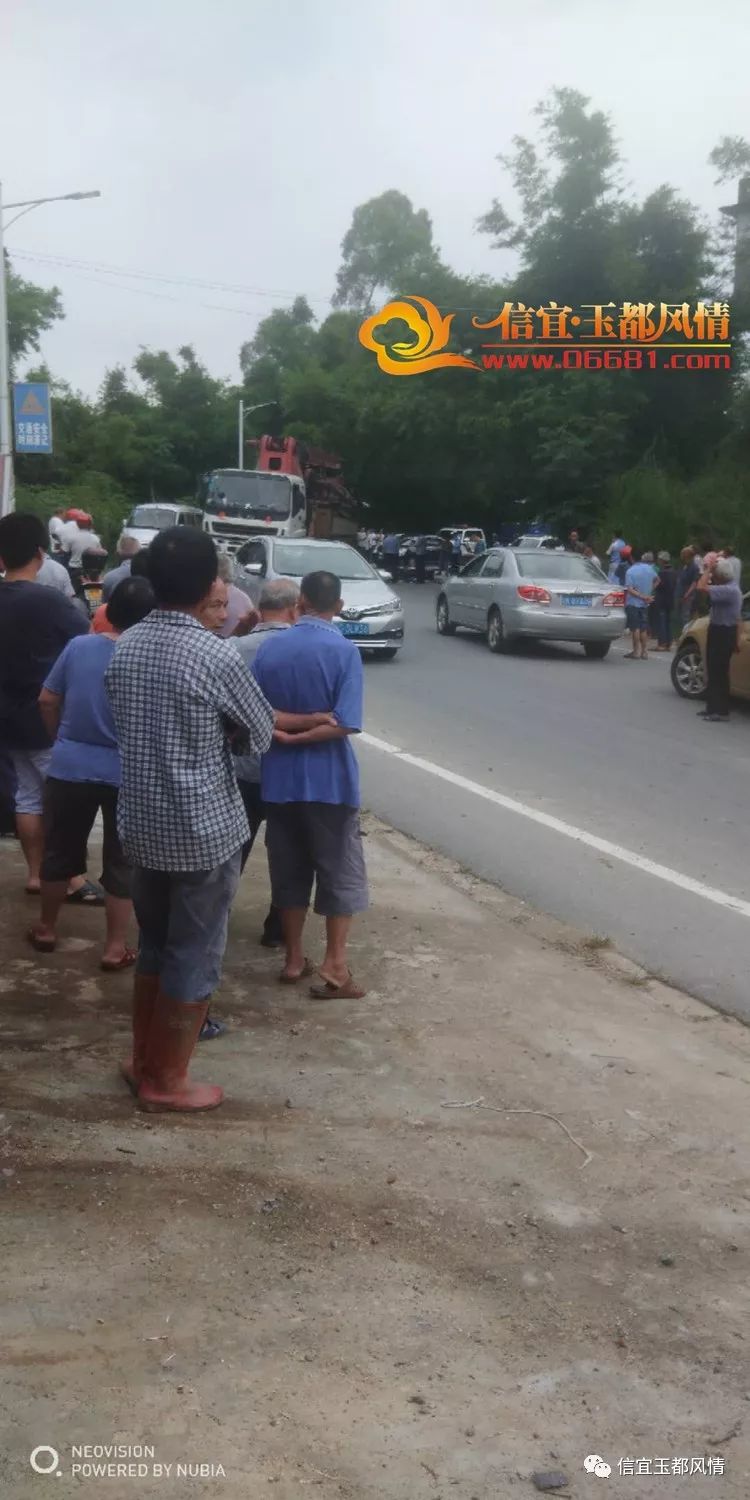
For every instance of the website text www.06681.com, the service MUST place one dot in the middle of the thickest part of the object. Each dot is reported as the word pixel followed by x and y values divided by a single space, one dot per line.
pixel 609 359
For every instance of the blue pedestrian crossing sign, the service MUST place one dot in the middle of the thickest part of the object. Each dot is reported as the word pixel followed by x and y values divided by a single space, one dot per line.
pixel 32 417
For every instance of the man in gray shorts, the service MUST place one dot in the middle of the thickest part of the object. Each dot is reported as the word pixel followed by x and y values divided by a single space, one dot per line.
pixel 179 694
pixel 310 785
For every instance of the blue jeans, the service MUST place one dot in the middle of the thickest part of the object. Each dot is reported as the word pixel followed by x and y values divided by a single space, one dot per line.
pixel 183 918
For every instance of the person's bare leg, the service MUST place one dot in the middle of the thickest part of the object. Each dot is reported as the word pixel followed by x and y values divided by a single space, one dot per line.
pixel 644 644
pixel 53 895
pixel 293 926
pixel 334 966
pixel 118 912
pixel 30 830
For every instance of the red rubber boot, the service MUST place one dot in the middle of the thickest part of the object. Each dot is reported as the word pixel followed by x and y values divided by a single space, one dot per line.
pixel 174 1031
pixel 145 990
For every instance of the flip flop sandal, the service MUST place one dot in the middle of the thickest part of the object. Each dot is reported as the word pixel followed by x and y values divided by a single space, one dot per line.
pixel 87 894
pixel 328 991
pixel 126 962
pixel 211 1029
pixel 305 973
pixel 41 945
pixel 32 890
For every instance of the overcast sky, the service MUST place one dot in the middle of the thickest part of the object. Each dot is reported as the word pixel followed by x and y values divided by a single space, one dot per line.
pixel 232 140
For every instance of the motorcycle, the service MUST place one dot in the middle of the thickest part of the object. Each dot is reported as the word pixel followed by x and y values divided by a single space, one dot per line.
pixel 86 580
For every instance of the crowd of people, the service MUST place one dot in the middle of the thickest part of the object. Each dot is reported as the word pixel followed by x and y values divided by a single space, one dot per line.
pixel 183 718
pixel 660 598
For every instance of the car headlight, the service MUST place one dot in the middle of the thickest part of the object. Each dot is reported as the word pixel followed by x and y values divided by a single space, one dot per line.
pixel 383 609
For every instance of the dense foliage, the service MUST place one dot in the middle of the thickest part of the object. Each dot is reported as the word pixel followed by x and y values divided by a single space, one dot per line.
pixel 661 453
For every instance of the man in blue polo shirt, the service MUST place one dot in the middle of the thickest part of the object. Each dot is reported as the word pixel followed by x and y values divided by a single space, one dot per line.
pixel 310 785
pixel 641 582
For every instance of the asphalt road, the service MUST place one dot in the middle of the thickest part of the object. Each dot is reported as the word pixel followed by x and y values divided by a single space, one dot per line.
pixel 606 748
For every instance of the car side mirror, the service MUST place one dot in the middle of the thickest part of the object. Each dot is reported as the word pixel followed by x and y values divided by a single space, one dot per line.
pixel 386 577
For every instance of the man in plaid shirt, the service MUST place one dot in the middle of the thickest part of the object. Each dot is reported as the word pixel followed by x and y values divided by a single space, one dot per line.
pixel 178 694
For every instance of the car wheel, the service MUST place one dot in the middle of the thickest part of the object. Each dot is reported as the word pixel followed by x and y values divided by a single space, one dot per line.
pixel 389 654
pixel 496 637
pixel 444 622
pixel 688 674
pixel 596 650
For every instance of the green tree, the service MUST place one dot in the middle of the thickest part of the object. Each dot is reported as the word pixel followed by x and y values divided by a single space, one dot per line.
pixel 32 310
pixel 388 247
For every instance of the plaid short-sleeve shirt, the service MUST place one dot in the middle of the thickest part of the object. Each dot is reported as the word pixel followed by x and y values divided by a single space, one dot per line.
pixel 175 691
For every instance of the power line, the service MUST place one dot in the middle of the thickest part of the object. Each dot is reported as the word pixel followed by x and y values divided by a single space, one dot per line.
pixel 142 291
pixel 73 263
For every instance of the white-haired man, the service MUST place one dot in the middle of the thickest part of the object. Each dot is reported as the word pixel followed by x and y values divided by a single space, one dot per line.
pixel 126 550
pixel 723 636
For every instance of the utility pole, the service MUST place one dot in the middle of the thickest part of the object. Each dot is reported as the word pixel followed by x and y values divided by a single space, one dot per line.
pixel 739 212
pixel 26 206
pixel 245 411
pixel 6 436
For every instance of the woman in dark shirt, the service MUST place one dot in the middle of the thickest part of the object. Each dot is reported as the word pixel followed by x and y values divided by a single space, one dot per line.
pixel 664 602
pixel 687 579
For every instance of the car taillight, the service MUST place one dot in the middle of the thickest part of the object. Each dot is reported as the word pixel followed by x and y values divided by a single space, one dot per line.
pixel 615 600
pixel 533 594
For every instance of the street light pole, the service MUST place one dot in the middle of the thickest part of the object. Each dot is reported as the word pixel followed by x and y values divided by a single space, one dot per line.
pixel 6 446
pixel 245 411
pixel 6 431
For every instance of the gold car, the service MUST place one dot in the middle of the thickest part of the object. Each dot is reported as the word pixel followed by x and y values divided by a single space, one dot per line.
pixel 689 660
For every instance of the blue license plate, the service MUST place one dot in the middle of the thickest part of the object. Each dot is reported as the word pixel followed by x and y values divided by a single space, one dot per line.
pixel 577 601
pixel 350 627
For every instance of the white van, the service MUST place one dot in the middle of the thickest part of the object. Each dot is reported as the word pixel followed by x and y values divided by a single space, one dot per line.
pixel 146 521
pixel 469 535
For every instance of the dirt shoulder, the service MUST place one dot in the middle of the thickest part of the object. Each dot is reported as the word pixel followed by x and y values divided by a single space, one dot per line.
pixel 340 1286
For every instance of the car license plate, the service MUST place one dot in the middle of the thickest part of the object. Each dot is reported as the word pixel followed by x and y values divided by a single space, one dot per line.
pixel 577 601
pixel 351 627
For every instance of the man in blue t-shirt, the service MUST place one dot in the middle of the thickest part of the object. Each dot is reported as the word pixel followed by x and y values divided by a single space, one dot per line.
pixel 310 785
pixel 83 777
pixel 641 582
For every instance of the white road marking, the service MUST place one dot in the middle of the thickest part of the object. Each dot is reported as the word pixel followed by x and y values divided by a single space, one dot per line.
pixel 557 825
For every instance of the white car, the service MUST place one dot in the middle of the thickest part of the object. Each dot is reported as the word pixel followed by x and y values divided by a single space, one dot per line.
pixel 373 616
pixel 146 521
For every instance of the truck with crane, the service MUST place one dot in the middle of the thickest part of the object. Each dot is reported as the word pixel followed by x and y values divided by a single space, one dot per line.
pixel 294 491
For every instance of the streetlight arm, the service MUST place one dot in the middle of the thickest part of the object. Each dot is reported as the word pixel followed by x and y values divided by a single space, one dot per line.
pixel 60 198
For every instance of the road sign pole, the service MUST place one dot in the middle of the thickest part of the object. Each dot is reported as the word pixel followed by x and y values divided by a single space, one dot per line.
pixel 6 439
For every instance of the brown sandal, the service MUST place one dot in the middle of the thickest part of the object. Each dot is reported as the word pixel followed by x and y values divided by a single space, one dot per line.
pixel 305 972
pixel 41 945
pixel 329 991
pixel 129 957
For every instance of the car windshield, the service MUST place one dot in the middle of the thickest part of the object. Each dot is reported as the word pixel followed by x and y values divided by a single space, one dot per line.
pixel 296 560
pixel 249 494
pixel 152 517
pixel 563 565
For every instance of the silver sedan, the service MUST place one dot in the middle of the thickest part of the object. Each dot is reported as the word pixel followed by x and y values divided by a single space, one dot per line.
pixel 552 596
pixel 373 616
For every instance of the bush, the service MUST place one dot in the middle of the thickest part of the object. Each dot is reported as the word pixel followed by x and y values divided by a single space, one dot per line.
pixel 659 510
pixel 105 501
